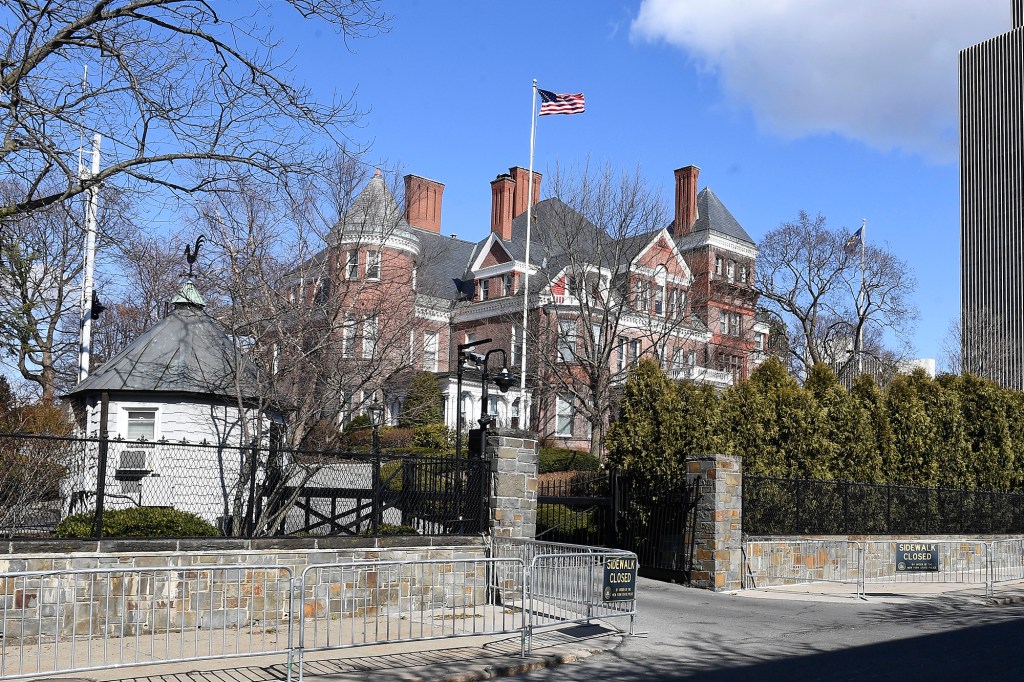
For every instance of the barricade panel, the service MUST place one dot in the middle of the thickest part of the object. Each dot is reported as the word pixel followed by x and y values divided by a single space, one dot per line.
pixel 76 620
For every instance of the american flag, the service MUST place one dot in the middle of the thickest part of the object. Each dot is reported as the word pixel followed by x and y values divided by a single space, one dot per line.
pixel 552 103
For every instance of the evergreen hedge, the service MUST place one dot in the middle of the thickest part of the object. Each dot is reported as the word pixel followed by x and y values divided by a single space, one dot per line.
pixel 952 431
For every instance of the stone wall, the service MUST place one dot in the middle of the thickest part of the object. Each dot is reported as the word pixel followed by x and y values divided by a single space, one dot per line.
pixel 787 560
pixel 718 545
pixel 514 463
pixel 189 584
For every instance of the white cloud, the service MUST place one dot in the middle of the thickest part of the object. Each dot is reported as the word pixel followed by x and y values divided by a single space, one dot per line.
pixel 880 71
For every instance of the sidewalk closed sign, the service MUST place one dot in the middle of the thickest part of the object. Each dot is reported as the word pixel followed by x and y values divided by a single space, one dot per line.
pixel 620 579
pixel 917 556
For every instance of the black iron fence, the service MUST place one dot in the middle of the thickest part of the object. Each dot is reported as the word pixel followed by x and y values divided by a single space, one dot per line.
pixel 775 506
pixel 654 518
pixel 576 507
pixel 243 491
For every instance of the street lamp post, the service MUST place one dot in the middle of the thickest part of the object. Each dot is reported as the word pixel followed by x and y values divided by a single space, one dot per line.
pixel 376 413
pixel 503 379
pixel 462 355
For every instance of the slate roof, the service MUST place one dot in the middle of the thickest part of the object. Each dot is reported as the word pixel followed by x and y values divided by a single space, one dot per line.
pixel 441 260
pixel 712 215
pixel 185 353
pixel 373 211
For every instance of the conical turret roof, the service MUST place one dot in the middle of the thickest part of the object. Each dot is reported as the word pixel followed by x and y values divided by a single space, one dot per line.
pixel 186 352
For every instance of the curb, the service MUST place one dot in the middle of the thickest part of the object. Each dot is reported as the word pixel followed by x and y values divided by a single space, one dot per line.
pixel 511 669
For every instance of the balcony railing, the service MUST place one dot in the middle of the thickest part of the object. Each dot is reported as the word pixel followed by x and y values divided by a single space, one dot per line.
pixel 703 375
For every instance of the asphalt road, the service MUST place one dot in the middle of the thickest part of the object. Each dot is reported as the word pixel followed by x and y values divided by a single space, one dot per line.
pixel 688 634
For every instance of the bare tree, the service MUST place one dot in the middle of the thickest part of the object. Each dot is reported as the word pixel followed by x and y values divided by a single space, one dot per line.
pixel 835 312
pixel 990 347
pixel 327 339
pixel 186 95
pixel 40 287
pixel 604 298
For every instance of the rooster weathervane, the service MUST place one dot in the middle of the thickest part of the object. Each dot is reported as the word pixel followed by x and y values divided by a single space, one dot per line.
pixel 192 254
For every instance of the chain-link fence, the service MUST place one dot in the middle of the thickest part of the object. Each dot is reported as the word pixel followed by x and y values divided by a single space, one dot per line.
pixel 776 506
pixel 242 491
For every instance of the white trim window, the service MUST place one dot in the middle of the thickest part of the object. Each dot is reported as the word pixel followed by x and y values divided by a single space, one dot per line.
pixel 516 347
pixel 730 271
pixel 352 266
pixel 485 289
pixel 430 351
pixel 567 340
pixel 348 337
pixel 718 265
pixel 373 265
pixel 506 281
pixel 564 417
pixel 140 424
pixel 370 334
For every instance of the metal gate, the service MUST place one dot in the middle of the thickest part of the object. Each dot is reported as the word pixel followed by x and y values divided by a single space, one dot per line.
pixel 655 519
pixel 658 521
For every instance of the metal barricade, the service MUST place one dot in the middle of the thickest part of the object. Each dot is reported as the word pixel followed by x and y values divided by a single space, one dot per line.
pixel 375 602
pixel 76 620
pixel 963 562
pixel 1006 562
pixel 569 588
pixel 792 561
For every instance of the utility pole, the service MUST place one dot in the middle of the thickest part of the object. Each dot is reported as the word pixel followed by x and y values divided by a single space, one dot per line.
pixel 90 256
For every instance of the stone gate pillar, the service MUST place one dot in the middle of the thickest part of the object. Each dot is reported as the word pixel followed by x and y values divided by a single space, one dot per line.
pixel 718 546
pixel 514 458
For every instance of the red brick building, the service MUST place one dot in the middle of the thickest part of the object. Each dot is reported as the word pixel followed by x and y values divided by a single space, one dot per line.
pixel 682 293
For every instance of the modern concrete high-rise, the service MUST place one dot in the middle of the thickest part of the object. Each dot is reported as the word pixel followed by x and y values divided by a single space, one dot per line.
pixel 992 205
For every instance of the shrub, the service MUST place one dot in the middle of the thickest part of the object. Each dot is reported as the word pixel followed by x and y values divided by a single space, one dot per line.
pixel 567 525
pixel 146 522
pixel 390 529
pixel 392 437
pixel 423 403
pixel 435 436
pixel 560 459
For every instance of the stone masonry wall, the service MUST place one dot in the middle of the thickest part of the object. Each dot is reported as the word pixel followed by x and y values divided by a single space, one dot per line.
pixel 198 585
pixel 718 545
pixel 772 561
pixel 514 463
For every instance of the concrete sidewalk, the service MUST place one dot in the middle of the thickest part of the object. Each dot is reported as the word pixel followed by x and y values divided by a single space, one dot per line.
pixel 448 660
pixel 888 592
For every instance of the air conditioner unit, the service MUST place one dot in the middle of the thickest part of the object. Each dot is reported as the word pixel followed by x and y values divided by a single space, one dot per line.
pixel 133 465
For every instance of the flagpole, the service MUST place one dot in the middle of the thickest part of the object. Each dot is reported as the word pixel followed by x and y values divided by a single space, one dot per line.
pixel 860 312
pixel 526 269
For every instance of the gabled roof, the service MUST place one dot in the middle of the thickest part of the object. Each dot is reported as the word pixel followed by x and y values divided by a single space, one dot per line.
pixel 713 216
pixel 186 352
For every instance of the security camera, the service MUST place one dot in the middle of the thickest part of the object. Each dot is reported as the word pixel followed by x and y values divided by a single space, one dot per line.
pixel 473 357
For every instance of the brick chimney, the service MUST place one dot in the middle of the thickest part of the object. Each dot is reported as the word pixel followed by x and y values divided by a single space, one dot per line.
pixel 423 203
pixel 520 199
pixel 686 201
pixel 502 193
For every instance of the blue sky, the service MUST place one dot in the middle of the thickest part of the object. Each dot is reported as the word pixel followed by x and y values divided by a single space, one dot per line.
pixel 844 109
